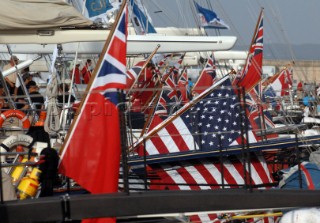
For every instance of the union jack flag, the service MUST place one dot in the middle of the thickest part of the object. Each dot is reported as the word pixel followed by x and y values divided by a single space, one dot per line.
pixel 252 72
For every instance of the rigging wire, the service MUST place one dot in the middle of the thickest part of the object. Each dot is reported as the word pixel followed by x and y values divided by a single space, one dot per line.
pixel 182 14
pixel 195 15
pixel 160 8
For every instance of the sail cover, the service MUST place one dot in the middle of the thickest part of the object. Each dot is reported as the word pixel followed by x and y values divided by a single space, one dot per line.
pixel 37 14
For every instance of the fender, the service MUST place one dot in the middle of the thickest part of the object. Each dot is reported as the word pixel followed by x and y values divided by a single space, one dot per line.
pixel 15 113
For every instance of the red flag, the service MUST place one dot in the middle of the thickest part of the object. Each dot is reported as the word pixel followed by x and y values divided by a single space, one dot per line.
pixel 206 78
pixel 91 152
pixel 133 73
pixel 252 72
pixel 183 85
pixel 281 84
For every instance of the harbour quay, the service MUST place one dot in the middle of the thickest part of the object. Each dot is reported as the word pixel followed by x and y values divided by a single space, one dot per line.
pixel 307 71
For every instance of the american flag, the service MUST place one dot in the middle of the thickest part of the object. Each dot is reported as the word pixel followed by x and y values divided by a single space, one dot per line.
pixel 252 72
pixel 207 76
pixel 210 174
pixel 215 120
pixel 210 123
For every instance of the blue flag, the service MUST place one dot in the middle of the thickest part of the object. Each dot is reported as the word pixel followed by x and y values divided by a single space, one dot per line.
pixel 140 19
pixel 209 19
pixel 97 7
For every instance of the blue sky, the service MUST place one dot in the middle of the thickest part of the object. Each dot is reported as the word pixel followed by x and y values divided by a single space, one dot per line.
pixel 286 21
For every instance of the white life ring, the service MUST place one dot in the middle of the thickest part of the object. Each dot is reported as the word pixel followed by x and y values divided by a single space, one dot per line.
pixel 12 141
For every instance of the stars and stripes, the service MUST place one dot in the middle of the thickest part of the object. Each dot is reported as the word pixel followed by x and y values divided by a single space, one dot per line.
pixel 217 117
pixel 213 122
pixel 210 174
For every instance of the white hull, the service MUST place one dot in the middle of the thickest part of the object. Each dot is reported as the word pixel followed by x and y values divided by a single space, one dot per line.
pixel 91 42
pixel 168 44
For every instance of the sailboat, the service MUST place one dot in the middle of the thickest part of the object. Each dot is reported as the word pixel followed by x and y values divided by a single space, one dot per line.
pixel 192 165
pixel 35 36
pixel 193 148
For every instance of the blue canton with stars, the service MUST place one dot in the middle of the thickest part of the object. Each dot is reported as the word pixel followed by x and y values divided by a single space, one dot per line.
pixel 215 120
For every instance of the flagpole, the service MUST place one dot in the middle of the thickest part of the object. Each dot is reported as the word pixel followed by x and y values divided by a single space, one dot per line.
pixel 93 77
pixel 156 101
pixel 171 70
pixel 143 67
pixel 262 119
pixel 252 41
pixel 183 70
pixel 151 113
pixel 275 76
pixel 256 29
pixel 202 73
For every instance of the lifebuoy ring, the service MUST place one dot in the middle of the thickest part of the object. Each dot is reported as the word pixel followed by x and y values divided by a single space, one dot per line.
pixel 12 141
pixel 15 113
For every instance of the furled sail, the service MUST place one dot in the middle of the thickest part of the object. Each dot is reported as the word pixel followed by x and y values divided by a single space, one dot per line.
pixel 31 14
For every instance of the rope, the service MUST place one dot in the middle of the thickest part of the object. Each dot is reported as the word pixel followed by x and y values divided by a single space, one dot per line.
pixel 51 125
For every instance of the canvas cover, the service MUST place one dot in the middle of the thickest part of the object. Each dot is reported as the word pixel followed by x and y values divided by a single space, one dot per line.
pixel 310 177
pixel 37 14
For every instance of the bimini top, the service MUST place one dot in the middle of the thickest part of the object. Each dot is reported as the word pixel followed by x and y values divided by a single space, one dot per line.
pixel 39 14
